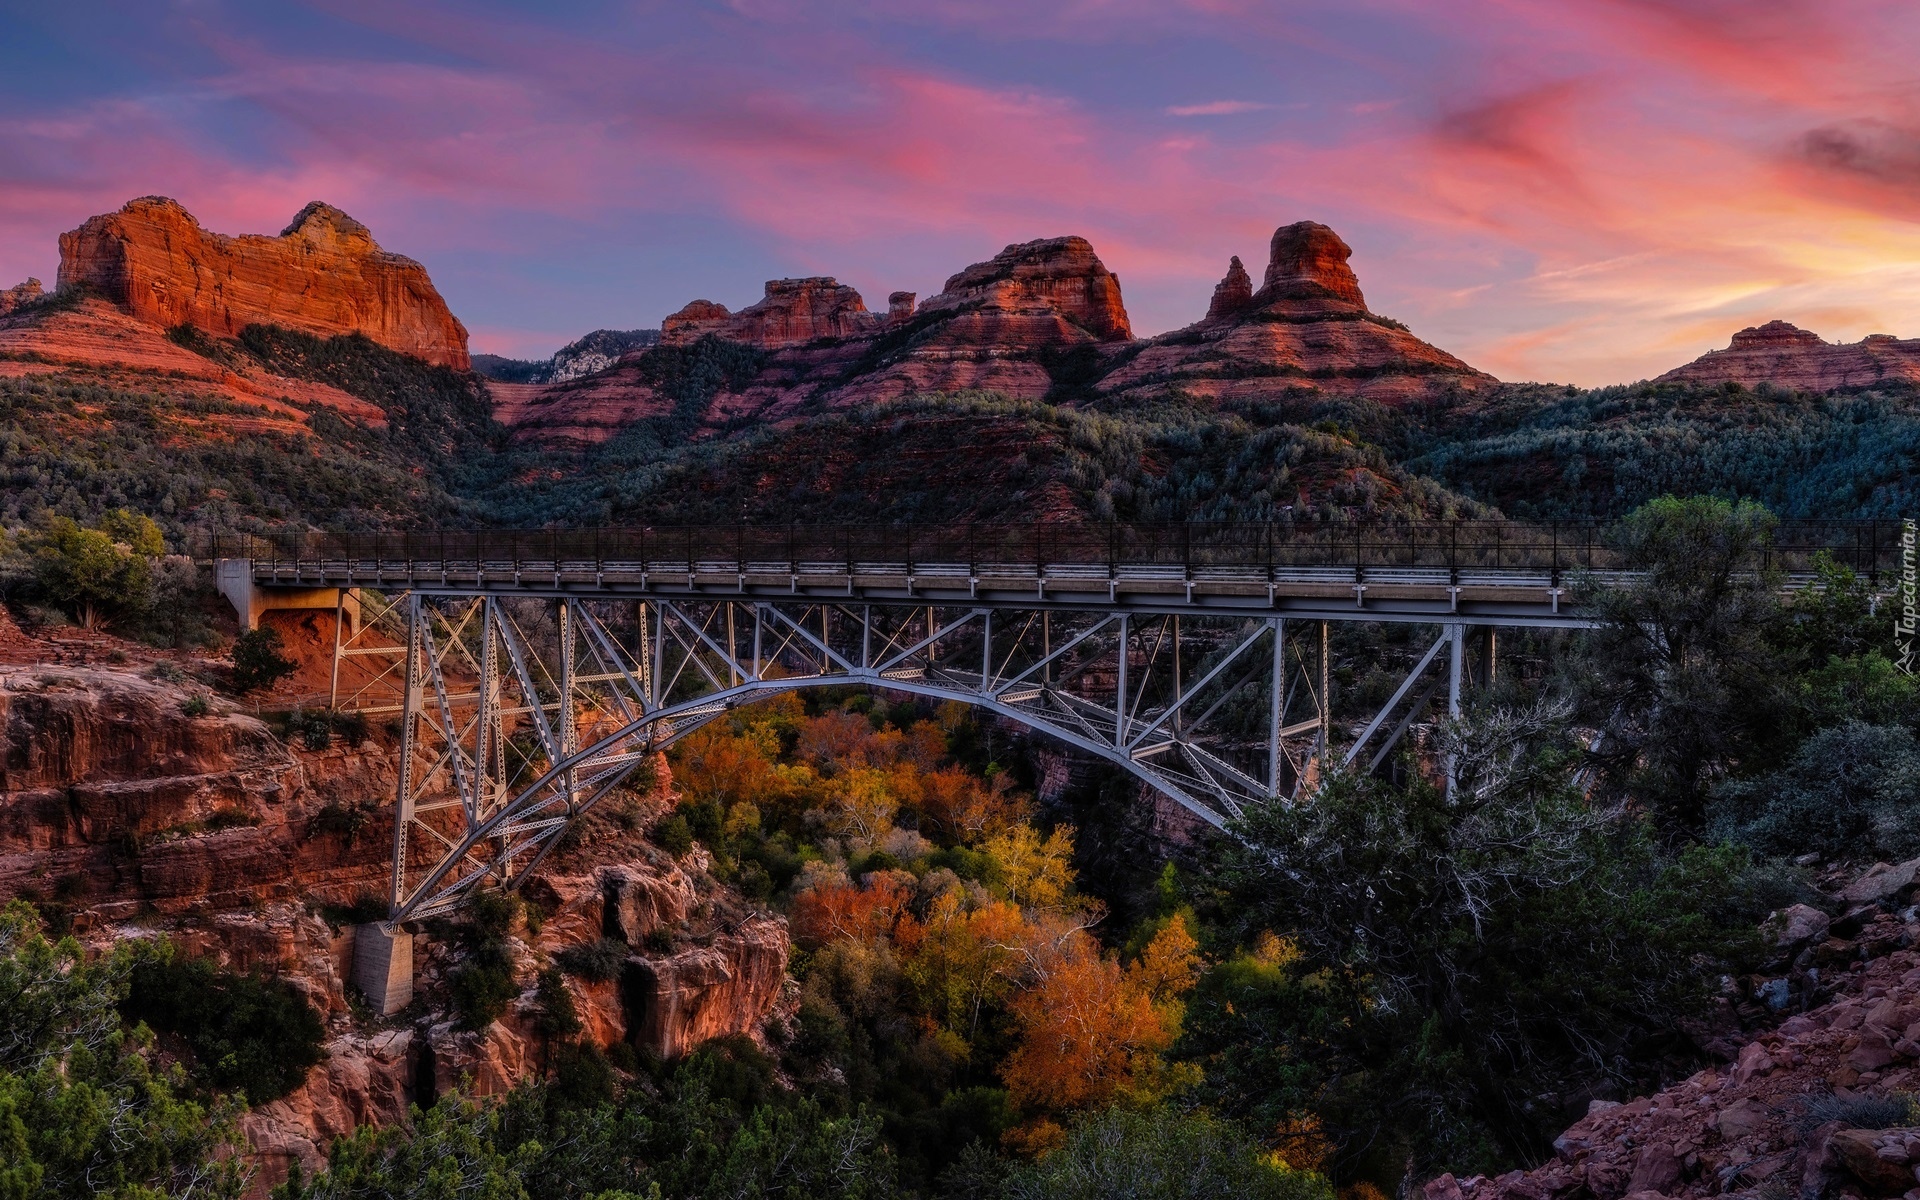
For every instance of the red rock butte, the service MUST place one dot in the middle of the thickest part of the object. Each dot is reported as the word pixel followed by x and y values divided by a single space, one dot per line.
pixel 1792 357
pixel 324 274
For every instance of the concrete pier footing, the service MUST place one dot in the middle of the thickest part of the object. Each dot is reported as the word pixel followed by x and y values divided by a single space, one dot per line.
pixel 383 967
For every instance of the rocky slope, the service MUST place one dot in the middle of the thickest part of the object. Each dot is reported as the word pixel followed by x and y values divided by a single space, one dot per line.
pixel 123 814
pixel 1039 320
pixel 324 274
pixel 1788 356
pixel 1819 1105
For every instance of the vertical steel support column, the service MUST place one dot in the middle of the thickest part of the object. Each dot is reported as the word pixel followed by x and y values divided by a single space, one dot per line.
pixel 1493 655
pixel 485 748
pixel 733 651
pixel 1456 653
pixel 758 623
pixel 1046 648
pixel 403 791
pixel 339 618
pixel 1179 697
pixel 1120 697
pixel 1276 700
pixel 986 650
pixel 866 636
pixel 645 657
pixel 1326 700
pixel 659 655
pixel 563 725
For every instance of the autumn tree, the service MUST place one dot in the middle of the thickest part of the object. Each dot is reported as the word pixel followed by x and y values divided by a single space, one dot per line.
pixel 1093 1032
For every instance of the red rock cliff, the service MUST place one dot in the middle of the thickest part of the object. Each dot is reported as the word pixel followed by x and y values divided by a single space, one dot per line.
pixel 1055 276
pixel 323 275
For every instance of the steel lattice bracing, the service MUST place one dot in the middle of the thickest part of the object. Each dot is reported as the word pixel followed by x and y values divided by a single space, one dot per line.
pixel 516 716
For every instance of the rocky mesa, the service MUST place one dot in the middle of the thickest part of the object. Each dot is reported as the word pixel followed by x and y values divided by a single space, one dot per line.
pixel 1786 355
pixel 324 274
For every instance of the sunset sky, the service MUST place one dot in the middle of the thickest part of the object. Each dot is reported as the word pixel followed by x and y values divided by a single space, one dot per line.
pixel 1583 191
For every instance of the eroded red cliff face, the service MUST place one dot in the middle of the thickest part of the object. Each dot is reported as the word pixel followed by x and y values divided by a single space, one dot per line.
pixel 134 819
pixel 324 274
pixel 1789 356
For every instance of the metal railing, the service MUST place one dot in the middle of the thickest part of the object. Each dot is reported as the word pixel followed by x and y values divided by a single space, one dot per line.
pixel 1871 548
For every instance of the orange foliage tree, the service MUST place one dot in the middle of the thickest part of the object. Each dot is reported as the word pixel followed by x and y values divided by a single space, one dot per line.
pixel 839 910
pixel 1092 1031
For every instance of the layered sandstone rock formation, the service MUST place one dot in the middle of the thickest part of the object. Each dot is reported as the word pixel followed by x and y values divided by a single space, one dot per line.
pixel 323 275
pixel 1788 356
pixel 1031 289
pixel 793 311
pixel 1307 330
pixel 1040 320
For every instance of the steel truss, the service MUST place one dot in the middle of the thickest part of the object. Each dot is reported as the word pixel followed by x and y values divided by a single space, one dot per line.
pixel 518 715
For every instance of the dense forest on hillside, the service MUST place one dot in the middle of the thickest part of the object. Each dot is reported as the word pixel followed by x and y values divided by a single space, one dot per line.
pixel 77 445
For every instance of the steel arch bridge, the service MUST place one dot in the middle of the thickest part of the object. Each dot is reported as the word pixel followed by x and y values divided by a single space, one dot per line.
pixel 532 673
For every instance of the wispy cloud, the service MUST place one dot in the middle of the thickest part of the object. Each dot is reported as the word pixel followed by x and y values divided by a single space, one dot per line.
pixel 1216 108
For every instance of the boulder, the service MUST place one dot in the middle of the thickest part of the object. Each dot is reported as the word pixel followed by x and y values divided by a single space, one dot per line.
pixel 1877 1158
pixel 1799 925
pixel 1881 882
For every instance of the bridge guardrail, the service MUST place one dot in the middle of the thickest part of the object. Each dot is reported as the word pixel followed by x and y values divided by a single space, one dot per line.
pixel 1181 549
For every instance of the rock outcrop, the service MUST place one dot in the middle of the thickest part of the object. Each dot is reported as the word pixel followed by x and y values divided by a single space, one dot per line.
pixel 1308 261
pixel 1791 357
pixel 324 274
pixel 1306 331
pixel 18 294
pixel 1052 279
pixel 1233 293
pixel 130 816
pixel 792 312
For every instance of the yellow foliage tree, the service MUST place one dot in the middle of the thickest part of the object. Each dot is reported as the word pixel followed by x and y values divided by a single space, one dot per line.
pixel 1036 873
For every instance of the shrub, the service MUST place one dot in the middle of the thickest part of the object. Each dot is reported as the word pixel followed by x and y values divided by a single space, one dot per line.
pixel 257 1036
pixel 1159 1156
pixel 674 835
pixel 257 661
pixel 195 706
pixel 1895 1111
pixel 1853 790
pixel 597 960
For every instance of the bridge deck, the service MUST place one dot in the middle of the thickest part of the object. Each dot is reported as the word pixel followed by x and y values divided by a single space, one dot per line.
pixel 1472 596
